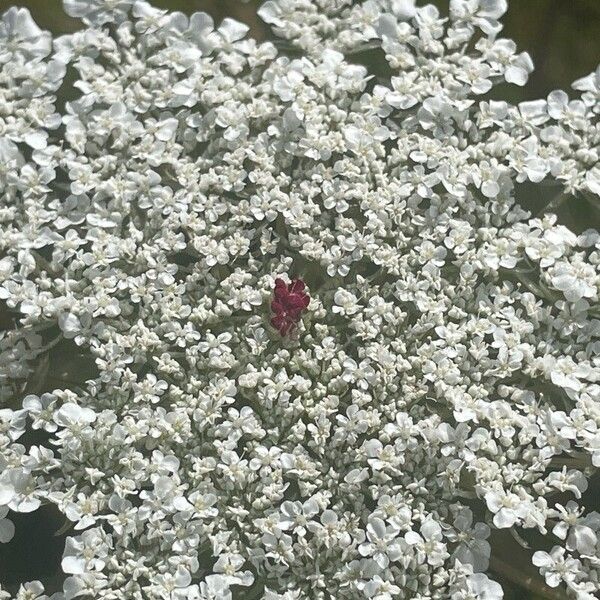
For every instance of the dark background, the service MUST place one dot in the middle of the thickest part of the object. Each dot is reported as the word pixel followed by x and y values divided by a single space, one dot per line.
pixel 563 38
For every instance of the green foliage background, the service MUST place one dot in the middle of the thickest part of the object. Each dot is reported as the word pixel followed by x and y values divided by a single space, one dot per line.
pixel 563 38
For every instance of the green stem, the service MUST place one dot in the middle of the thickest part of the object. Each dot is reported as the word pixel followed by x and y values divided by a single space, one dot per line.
pixel 539 589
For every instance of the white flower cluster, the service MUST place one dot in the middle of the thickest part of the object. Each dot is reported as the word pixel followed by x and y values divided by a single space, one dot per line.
pixel 158 174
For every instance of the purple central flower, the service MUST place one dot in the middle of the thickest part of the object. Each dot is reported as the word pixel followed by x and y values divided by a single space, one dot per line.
pixel 289 301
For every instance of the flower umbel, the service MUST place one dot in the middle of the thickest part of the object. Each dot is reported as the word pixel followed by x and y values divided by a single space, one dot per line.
pixel 289 300
pixel 451 350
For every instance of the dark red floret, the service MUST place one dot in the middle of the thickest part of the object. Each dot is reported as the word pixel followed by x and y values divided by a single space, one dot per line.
pixel 289 301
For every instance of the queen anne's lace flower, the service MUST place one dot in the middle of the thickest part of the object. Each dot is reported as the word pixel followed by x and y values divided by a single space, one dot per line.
pixel 160 177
